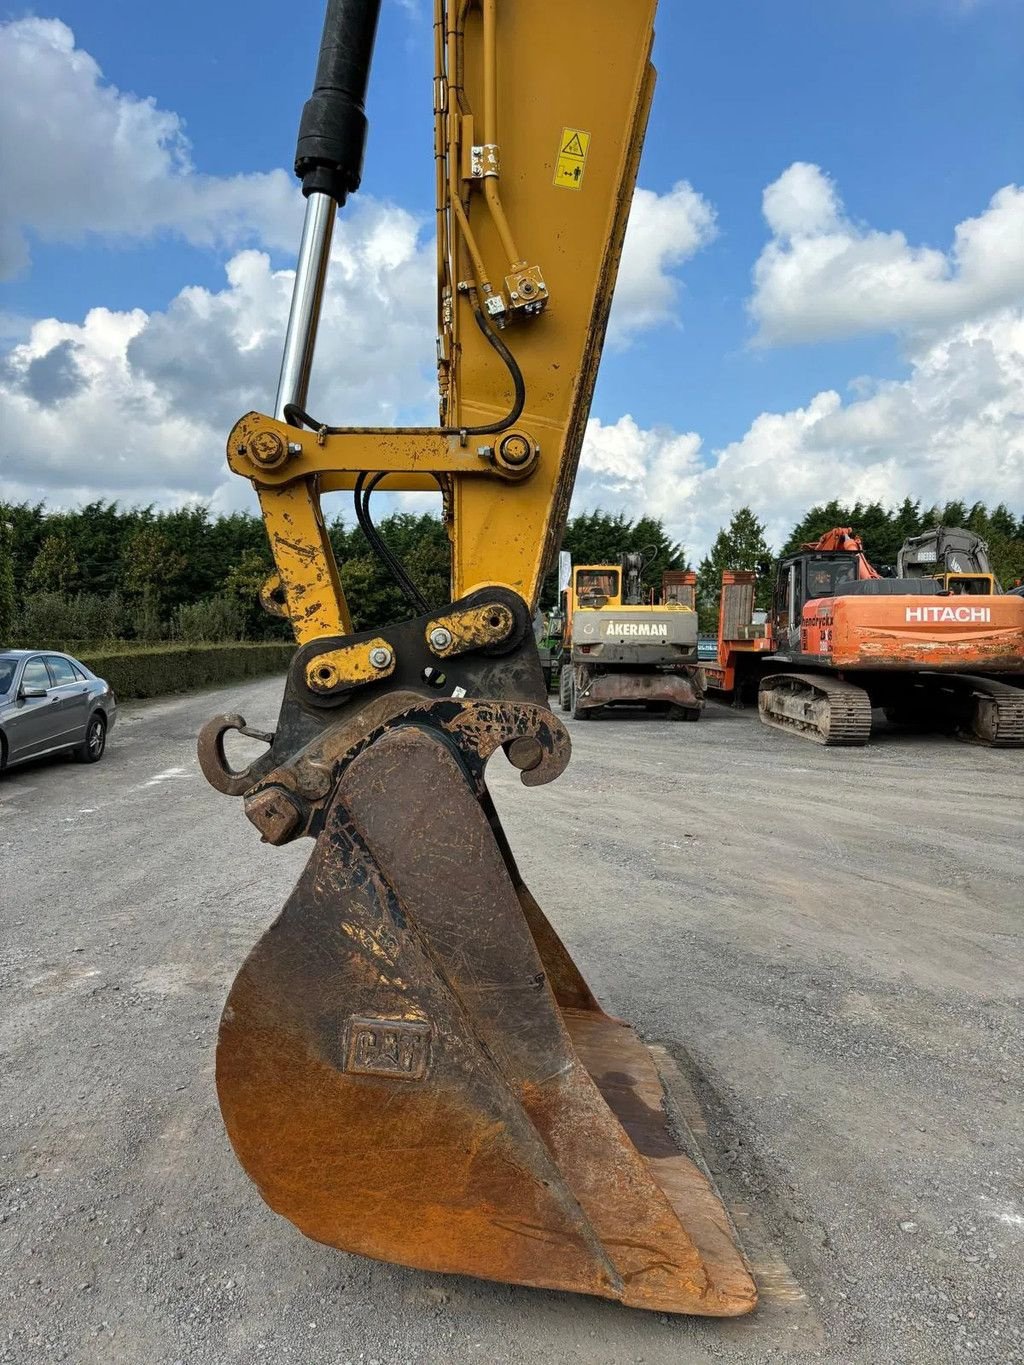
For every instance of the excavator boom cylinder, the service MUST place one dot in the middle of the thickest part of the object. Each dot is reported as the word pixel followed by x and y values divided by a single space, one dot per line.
pixel 307 300
pixel 329 162
pixel 332 131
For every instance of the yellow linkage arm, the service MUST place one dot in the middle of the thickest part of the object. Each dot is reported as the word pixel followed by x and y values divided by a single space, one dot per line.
pixel 540 111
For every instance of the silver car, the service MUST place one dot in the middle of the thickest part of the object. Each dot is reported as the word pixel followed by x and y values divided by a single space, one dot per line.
pixel 49 703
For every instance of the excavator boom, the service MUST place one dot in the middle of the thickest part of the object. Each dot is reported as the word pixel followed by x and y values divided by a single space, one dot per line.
pixel 410 1065
pixel 539 146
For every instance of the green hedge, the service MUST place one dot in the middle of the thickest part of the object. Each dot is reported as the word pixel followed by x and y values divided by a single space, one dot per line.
pixel 152 671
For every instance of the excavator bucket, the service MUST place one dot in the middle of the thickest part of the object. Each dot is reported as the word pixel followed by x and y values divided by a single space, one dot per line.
pixel 411 1066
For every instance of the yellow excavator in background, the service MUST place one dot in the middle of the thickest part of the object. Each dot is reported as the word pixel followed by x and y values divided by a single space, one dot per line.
pixel 410 1065
pixel 622 652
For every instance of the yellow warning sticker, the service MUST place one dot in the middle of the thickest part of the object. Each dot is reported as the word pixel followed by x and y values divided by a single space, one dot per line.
pixel 572 158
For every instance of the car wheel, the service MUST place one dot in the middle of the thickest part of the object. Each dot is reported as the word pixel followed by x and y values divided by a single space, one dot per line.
pixel 95 740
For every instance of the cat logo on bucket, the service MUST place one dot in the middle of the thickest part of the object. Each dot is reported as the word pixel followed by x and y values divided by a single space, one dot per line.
pixel 948 615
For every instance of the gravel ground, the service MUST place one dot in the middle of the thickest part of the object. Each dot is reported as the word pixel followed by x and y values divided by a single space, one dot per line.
pixel 828 945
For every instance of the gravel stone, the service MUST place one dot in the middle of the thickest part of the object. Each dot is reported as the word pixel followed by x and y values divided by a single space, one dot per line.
pixel 827 943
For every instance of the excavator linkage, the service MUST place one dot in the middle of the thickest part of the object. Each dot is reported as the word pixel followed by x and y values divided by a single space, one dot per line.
pixel 410 1065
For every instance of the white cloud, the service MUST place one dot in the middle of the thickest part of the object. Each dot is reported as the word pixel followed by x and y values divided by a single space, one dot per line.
pixel 953 429
pixel 82 157
pixel 802 202
pixel 664 232
pixel 822 276
pixel 138 406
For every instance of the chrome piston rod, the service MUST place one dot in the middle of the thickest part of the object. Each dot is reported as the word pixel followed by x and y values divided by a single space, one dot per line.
pixel 329 162
pixel 307 298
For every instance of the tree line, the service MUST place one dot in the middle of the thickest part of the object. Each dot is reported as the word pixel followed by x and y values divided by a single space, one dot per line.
pixel 742 544
pixel 103 573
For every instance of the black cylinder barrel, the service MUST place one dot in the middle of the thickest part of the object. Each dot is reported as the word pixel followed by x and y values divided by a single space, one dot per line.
pixel 332 131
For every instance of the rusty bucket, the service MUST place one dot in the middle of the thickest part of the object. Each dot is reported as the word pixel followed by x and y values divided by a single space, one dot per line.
pixel 412 1068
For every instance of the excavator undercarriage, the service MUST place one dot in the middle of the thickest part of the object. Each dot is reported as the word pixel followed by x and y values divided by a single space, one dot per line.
pixel 410 1064
pixel 837 711
pixel 816 707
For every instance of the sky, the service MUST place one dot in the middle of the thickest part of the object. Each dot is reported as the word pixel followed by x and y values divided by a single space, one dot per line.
pixel 822 291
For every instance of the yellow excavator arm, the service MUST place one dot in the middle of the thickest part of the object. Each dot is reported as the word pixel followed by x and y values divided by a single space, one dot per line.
pixel 539 115
pixel 410 1064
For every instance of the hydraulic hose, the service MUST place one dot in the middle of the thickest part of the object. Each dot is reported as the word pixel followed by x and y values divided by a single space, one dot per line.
pixel 297 416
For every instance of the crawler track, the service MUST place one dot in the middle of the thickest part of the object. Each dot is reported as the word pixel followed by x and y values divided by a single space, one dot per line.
pixel 987 712
pixel 815 707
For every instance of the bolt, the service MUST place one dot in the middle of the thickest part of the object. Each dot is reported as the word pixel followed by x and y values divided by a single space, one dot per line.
pixel 515 450
pixel 267 449
pixel 380 657
pixel 440 637
pixel 322 675
pixel 524 753
pixel 485 452
pixel 275 813
pixel 294 448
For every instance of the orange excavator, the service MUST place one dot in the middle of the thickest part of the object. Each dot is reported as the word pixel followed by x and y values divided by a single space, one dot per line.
pixel 930 657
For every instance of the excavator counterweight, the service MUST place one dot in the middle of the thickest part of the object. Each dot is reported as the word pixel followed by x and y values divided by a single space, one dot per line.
pixel 410 1064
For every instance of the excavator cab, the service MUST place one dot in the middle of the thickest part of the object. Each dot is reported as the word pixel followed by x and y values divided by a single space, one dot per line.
pixel 803 578
pixel 824 574
pixel 410 1064
pixel 598 587
pixel 967 584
